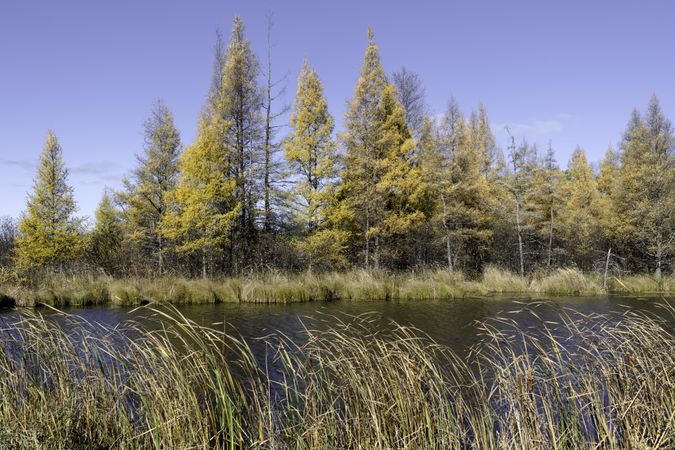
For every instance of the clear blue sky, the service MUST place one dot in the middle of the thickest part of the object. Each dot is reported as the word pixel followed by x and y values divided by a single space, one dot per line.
pixel 569 71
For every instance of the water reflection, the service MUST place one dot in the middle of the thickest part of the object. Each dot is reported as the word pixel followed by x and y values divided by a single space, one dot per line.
pixel 453 323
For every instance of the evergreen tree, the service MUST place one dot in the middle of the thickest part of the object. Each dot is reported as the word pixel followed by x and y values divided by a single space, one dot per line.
pixel 105 240
pixel 49 233
pixel 519 184
pixel 426 244
pixel 546 203
pixel 451 136
pixel 646 191
pixel 363 204
pixel 580 214
pixel 144 196
pixel 609 173
pixel 660 187
pixel 311 154
pixel 464 200
pixel 429 154
pixel 481 137
pixel 406 200
pixel 452 131
pixel 382 186
pixel 239 103
pixel 605 205
pixel 204 205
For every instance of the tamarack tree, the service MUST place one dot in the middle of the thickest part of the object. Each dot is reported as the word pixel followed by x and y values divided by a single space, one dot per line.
pixel 49 233
pixel 398 188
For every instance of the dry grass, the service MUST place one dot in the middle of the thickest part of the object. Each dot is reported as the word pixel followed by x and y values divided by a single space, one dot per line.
pixel 80 386
pixel 642 284
pixel 502 281
pixel 588 382
pixel 61 291
pixel 567 282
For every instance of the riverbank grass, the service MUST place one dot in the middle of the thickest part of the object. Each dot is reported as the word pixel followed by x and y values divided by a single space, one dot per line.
pixel 600 382
pixel 61 291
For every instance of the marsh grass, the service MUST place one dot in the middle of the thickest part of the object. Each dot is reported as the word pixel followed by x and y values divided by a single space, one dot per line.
pixel 593 382
pixel 77 385
pixel 567 282
pixel 586 382
pixel 360 285
pixel 642 284
pixel 503 281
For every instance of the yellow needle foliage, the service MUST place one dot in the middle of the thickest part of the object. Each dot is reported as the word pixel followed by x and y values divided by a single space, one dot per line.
pixel 49 233
pixel 203 203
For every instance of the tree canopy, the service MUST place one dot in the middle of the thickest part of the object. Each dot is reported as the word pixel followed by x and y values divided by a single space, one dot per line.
pixel 397 188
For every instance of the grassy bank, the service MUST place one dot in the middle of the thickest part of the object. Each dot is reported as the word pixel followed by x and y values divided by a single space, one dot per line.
pixel 78 386
pixel 358 285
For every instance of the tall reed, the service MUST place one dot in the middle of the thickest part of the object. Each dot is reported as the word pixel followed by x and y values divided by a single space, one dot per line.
pixel 587 382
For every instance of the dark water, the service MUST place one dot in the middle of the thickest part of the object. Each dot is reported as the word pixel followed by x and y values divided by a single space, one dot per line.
pixel 453 323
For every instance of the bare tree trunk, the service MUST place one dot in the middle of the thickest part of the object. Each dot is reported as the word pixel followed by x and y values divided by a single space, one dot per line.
pixel 377 253
pixel 520 237
pixel 659 255
pixel 160 256
pixel 203 263
pixel 449 251
pixel 517 194
pixel 604 282
pixel 310 200
pixel 367 260
pixel 241 175
pixel 367 226
pixel 550 241
pixel 270 119
pixel 268 129
pixel 448 247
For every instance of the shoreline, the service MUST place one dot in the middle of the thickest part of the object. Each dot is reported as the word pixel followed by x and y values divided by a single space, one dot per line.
pixel 88 290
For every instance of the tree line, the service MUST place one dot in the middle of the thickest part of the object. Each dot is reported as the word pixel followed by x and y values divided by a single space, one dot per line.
pixel 396 189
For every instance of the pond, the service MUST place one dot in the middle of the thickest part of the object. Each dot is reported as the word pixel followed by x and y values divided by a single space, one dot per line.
pixel 451 323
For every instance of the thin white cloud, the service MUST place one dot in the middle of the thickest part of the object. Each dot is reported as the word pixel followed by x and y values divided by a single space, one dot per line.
pixel 94 168
pixel 547 126
pixel 104 180
pixel 104 170
pixel 20 163
pixel 535 128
